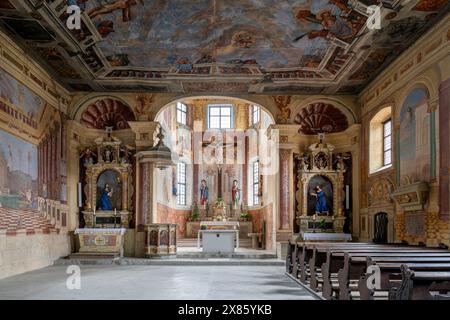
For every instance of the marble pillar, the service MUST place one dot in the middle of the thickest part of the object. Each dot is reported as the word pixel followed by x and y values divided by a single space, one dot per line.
pixel 285 209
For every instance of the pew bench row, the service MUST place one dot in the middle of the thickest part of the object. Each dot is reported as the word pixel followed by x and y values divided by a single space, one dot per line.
pixel 367 271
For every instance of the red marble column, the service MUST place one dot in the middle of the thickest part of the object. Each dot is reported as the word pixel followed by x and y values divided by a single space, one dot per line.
pixel 245 169
pixel 444 149
pixel 284 188
pixel 144 195
pixel 195 185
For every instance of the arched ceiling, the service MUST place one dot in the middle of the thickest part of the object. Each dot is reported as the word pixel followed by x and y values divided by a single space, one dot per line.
pixel 107 113
pixel 321 117
pixel 215 46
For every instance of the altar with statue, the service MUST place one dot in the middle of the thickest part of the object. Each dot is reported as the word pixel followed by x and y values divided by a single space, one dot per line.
pixel 107 192
pixel 320 193
pixel 219 206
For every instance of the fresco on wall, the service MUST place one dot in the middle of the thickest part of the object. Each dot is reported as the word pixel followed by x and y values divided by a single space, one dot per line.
pixel 414 137
pixel 18 173
pixel 19 98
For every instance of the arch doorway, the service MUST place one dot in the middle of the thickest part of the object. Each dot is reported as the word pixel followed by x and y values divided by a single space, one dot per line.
pixel 221 171
pixel 380 228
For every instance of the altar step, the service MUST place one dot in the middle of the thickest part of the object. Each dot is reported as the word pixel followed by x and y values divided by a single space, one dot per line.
pixel 192 242
pixel 171 262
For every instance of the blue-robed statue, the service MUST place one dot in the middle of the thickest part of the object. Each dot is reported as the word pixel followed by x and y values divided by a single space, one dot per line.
pixel 105 200
pixel 321 201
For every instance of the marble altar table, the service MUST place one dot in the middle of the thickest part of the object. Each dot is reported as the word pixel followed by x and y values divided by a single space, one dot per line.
pixel 101 240
pixel 218 241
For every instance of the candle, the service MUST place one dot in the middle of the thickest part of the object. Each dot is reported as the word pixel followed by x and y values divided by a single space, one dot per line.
pixel 314 217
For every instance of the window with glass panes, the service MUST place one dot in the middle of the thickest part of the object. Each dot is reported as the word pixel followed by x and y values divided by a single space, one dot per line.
pixel 181 113
pixel 181 180
pixel 387 142
pixel 255 184
pixel 256 114
pixel 220 116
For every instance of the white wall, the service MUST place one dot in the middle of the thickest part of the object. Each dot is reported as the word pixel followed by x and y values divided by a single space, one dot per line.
pixel 23 253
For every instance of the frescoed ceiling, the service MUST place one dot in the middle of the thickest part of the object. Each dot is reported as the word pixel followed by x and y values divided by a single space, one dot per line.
pixel 233 46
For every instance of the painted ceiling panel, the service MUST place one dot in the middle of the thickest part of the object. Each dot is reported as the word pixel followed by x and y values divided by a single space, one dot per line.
pixel 176 45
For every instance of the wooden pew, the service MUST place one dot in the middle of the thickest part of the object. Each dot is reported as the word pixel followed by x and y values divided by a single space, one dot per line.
pixel 317 252
pixel 331 260
pixel 388 271
pixel 417 285
pixel 355 267
pixel 290 256
pixel 335 261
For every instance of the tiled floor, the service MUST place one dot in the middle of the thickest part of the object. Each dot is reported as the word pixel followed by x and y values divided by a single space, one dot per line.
pixel 27 221
pixel 157 282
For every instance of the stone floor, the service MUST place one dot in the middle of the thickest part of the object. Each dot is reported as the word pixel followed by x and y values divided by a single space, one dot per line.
pixel 157 282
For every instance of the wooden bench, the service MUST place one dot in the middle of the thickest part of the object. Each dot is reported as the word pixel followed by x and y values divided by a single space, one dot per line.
pixel 390 270
pixel 418 285
pixel 335 261
pixel 356 266
pixel 331 260
pixel 339 267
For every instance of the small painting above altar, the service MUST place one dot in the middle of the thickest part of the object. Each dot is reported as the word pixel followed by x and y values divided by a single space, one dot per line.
pixel 320 200
pixel 109 190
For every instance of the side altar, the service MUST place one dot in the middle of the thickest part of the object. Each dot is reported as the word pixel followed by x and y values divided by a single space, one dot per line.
pixel 108 189
pixel 320 192
pixel 108 185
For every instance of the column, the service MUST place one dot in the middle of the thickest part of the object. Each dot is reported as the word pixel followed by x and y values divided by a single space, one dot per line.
pixel 145 195
pixel 444 149
pixel 432 107
pixel 285 155
pixel 144 205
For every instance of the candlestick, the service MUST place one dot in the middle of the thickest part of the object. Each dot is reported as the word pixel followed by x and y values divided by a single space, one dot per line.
pixel 94 218
pixel 115 217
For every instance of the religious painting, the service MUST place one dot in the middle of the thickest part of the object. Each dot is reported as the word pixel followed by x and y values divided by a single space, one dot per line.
pixel 109 191
pixel 414 138
pixel 18 173
pixel 320 196
pixel 19 97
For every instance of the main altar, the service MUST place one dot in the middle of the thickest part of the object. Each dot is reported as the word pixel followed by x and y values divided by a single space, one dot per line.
pixel 320 193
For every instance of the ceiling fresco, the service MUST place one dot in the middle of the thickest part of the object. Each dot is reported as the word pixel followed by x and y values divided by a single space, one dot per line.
pixel 260 46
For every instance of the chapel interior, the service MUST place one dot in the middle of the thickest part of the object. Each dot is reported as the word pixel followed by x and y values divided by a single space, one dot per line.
pixel 155 122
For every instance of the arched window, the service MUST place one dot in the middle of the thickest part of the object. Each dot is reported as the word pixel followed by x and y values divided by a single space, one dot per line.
pixel 380 140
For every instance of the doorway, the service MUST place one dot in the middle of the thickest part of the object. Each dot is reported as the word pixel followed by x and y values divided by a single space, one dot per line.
pixel 381 228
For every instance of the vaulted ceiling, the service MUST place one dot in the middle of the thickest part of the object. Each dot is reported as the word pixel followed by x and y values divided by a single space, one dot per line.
pixel 208 46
